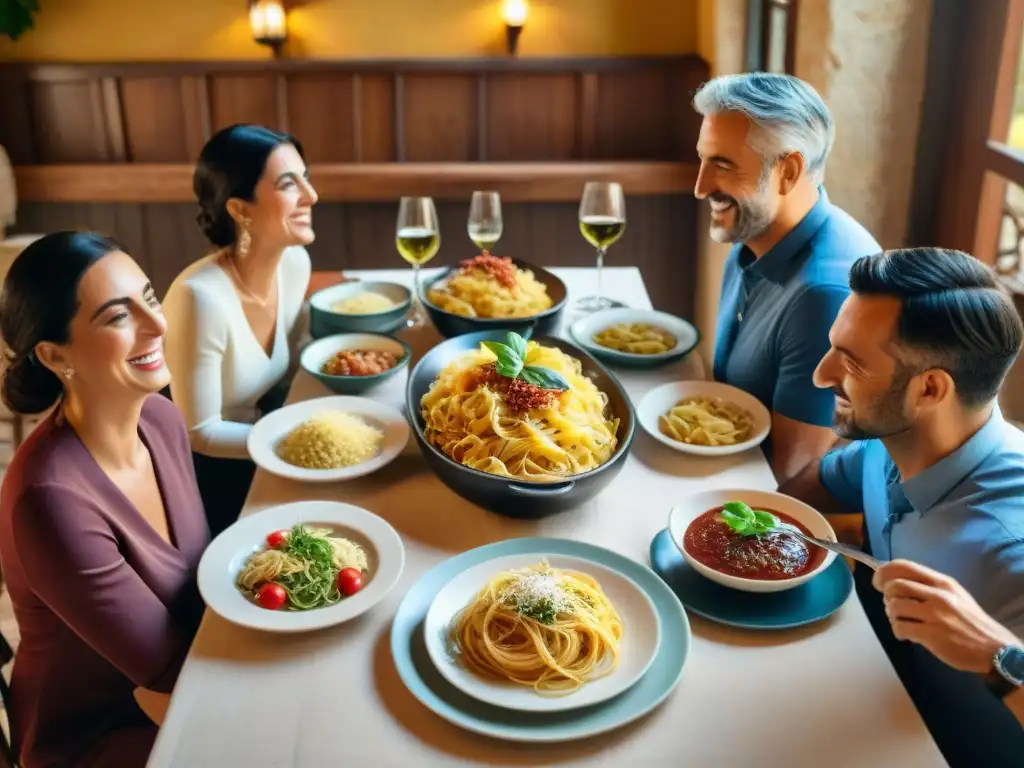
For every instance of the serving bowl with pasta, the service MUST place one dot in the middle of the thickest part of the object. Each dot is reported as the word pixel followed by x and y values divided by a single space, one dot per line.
pixel 480 295
pixel 530 451
pixel 301 566
pixel 707 418
pixel 636 338
pixel 542 632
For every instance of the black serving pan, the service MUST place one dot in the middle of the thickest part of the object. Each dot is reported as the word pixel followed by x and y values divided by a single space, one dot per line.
pixel 449 324
pixel 514 498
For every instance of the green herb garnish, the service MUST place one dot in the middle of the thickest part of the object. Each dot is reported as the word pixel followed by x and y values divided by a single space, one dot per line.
pixel 746 521
pixel 511 364
pixel 317 585
pixel 543 610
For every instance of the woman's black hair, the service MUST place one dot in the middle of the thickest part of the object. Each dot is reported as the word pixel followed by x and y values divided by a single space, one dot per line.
pixel 39 300
pixel 955 316
pixel 230 165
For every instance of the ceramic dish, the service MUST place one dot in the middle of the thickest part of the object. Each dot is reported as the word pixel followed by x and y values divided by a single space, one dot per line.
pixel 686 335
pixel 319 352
pixel 685 512
pixel 224 558
pixel 421 677
pixel 639 645
pixel 273 427
pixel 818 599
pixel 324 320
pixel 660 400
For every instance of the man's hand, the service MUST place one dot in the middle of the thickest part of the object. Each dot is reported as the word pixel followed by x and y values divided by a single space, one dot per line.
pixel 930 608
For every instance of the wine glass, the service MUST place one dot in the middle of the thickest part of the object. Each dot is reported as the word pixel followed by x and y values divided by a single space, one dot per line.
pixel 418 237
pixel 602 222
pixel 484 223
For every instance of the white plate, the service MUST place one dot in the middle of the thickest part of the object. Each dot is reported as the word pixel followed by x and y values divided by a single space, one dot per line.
pixel 659 400
pixel 637 649
pixel 272 428
pixel 583 330
pixel 224 558
pixel 685 512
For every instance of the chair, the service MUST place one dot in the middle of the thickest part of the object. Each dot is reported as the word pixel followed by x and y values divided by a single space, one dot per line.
pixel 8 754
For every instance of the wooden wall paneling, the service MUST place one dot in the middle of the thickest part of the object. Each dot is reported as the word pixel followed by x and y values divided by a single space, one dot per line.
pixel 195 114
pixel 320 115
pixel 173 240
pixel 532 117
pixel 16 132
pixel 439 118
pixel 157 118
pixel 244 99
pixel 634 115
pixel 113 113
pixel 376 119
pixel 330 249
pixel 588 115
pixel 68 121
pixel 685 121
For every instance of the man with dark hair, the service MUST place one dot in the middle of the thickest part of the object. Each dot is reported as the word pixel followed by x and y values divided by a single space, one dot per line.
pixel 919 351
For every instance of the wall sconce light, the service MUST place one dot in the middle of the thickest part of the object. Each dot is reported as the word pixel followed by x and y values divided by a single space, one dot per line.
pixel 269 22
pixel 514 12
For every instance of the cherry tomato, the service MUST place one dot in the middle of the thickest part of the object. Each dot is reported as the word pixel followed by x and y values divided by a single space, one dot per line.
pixel 271 596
pixel 350 581
pixel 276 539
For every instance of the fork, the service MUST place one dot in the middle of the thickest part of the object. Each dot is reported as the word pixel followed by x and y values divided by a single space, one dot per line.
pixel 839 548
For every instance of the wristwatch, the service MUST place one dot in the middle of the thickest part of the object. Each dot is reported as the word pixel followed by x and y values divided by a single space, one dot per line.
pixel 1007 673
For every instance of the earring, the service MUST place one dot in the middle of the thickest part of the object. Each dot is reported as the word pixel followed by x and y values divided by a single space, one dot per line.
pixel 68 373
pixel 244 242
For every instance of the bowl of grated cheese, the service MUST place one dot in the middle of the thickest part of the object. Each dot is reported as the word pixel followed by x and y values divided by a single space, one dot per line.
pixel 358 306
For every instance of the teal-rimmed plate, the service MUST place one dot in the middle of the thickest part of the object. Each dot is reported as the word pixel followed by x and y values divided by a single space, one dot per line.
pixel 818 599
pixel 426 683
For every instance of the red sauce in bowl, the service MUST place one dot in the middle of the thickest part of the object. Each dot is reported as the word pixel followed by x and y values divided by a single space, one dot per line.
pixel 771 556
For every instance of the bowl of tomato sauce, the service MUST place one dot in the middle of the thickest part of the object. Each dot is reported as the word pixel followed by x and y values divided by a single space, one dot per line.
pixel 770 561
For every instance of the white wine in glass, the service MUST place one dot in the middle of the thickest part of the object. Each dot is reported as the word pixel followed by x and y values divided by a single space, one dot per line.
pixel 484 225
pixel 418 237
pixel 602 222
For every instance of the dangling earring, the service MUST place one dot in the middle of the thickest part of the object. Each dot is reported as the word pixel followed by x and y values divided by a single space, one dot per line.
pixel 68 373
pixel 244 241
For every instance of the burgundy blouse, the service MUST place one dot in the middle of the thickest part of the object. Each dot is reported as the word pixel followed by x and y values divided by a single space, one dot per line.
pixel 103 603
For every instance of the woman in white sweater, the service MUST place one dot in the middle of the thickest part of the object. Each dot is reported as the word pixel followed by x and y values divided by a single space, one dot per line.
pixel 233 316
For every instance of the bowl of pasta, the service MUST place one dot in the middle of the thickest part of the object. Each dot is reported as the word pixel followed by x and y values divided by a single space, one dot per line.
pixel 358 306
pixel 522 428
pixel 494 293
pixel 638 338
pixel 707 418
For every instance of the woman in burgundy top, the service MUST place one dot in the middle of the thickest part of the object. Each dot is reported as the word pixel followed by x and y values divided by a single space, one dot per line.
pixel 101 524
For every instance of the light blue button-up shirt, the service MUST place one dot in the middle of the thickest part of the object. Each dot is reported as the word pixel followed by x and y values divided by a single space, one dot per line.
pixel 963 516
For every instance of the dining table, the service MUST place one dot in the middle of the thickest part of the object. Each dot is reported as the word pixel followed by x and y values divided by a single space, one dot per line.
pixel 823 694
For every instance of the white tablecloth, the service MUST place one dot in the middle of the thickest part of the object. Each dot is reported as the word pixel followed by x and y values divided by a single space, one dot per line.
pixel 821 695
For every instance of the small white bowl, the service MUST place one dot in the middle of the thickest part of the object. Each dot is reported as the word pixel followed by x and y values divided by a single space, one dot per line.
pixel 583 330
pixel 659 400
pixel 685 512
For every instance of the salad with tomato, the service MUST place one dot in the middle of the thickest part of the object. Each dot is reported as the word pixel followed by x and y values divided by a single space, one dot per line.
pixel 302 569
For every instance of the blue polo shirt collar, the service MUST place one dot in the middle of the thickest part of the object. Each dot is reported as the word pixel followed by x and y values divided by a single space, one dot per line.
pixel 927 489
pixel 772 266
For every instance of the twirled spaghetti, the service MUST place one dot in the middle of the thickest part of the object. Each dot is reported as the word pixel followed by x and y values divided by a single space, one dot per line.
pixel 485 423
pixel 491 286
pixel 543 627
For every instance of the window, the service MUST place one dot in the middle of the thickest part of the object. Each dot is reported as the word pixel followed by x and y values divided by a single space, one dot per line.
pixel 771 36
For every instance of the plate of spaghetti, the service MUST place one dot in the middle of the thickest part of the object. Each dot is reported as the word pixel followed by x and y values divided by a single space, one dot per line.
pixel 707 418
pixel 301 566
pixel 637 338
pixel 489 291
pixel 542 632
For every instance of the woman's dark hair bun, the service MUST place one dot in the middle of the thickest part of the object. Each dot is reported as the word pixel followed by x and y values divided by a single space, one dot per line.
pixel 231 165
pixel 39 301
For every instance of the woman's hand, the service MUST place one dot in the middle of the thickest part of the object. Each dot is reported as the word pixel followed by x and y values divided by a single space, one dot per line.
pixel 934 610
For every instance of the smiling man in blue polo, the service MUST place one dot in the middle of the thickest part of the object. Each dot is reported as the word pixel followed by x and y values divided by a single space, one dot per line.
pixel 917 356
pixel 763 146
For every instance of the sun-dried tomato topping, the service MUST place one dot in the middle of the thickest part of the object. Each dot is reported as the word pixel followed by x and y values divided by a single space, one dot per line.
pixel 500 267
pixel 519 395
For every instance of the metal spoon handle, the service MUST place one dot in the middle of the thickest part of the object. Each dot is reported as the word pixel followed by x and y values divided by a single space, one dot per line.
pixel 839 548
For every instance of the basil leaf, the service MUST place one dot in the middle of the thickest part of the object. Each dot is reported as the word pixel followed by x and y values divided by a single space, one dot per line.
pixel 739 509
pixel 739 524
pixel 544 378
pixel 766 519
pixel 509 367
pixel 517 344
pixel 500 350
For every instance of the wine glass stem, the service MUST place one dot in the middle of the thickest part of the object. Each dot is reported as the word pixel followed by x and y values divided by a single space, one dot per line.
pixel 600 266
pixel 417 303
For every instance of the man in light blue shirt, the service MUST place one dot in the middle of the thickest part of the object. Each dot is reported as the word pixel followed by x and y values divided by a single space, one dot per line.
pixel 918 353
pixel 764 143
